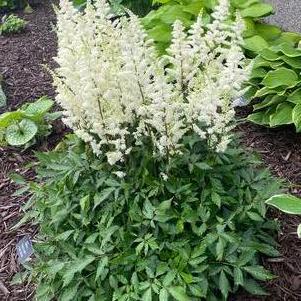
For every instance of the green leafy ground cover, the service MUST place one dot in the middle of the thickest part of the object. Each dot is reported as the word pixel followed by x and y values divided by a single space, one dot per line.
pixel 143 237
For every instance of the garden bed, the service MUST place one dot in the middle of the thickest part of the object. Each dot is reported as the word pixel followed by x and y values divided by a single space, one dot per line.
pixel 21 62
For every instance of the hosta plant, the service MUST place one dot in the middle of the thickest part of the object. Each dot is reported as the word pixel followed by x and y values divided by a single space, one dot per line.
pixel 276 84
pixel 191 228
pixel 139 7
pixel 24 126
pixel 11 24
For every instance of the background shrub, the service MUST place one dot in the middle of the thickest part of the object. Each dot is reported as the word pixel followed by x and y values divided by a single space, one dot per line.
pixel 12 4
pixel 186 229
pixel 158 22
pixel 275 82
pixel 11 24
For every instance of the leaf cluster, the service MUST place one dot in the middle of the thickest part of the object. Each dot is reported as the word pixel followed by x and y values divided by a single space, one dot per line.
pixel 276 82
pixel 195 233
pixel 30 122
pixel 138 7
pixel 159 21
pixel 11 24
pixel 12 4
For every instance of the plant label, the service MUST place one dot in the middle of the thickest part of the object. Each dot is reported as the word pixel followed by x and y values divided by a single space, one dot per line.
pixel 24 249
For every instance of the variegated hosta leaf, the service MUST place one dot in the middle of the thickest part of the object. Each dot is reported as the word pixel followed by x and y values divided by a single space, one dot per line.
pixel 21 133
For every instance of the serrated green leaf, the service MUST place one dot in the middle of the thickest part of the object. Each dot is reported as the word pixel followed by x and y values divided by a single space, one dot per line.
pixel 216 199
pixel 163 295
pixel 65 235
pixel 76 267
pixel 255 216
pixel 224 284
pixel 254 288
pixel 178 293
pixel 103 262
pixel 168 278
pixel 69 293
pixel 259 272
pixel 147 296
pixel 102 196
pixel 219 249
pixel 238 276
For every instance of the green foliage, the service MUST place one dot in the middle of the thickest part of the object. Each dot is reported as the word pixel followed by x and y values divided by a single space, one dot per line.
pixel 276 81
pixel 139 7
pixel 194 233
pixel 159 22
pixel 12 4
pixel 11 24
pixel 22 127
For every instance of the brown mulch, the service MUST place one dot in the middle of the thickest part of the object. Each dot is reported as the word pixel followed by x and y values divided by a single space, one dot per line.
pixel 23 57
pixel 10 213
pixel 21 62
pixel 280 150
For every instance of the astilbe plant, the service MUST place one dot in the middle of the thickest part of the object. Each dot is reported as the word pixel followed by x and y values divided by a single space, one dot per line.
pixel 115 89
pixel 156 203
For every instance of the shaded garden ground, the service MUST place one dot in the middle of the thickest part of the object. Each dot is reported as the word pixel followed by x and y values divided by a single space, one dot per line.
pixel 21 62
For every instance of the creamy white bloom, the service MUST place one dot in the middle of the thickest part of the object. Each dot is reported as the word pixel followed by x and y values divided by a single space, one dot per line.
pixel 116 91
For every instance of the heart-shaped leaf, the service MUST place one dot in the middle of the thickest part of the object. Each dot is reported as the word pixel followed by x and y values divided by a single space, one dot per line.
pixel 255 43
pixel 21 133
pixel 280 77
pixel 257 10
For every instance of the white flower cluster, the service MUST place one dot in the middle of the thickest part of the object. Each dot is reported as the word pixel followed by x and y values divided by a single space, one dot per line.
pixel 116 91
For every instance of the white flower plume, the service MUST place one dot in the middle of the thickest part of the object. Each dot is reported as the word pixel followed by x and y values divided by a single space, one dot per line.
pixel 116 91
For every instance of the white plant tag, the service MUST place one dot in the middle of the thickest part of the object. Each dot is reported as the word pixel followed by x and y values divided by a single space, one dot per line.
pixel 24 249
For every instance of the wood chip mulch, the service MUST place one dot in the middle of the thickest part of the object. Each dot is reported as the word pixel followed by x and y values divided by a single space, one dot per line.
pixel 22 63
